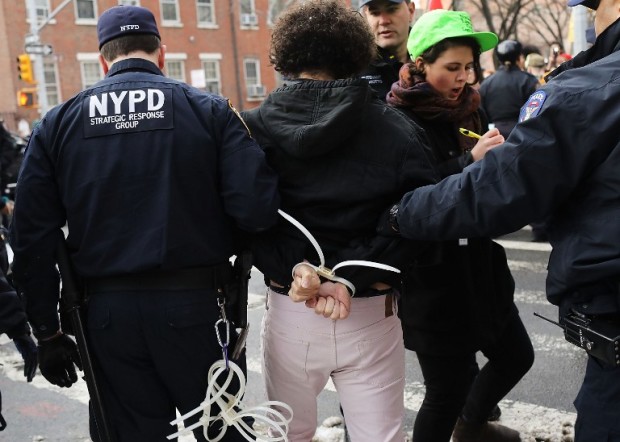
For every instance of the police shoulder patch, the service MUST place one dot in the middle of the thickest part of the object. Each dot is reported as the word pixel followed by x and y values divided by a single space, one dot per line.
pixel 239 116
pixel 533 105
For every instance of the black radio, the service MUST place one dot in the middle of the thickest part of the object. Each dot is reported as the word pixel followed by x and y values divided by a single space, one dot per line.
pixel 597 335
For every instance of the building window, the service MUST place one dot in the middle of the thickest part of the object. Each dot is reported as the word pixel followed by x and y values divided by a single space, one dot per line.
pixel 248 15
pixel 51 82
pixel 254 88
pixel 129 2
pixel 85 9
pixel 43 9
pixel 205 11
pixel 213 83
pixel 175 69
pixel 276 7
pixel 169 11
pixel 91 73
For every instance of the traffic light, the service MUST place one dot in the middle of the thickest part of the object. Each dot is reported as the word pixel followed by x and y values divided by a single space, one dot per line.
pixel 24 67
pixel 26 98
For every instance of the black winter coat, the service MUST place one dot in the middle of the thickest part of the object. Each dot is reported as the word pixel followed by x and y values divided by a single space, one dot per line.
pixel 457 296
pixel 343 157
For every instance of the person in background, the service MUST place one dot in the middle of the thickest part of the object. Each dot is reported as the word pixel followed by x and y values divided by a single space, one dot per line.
pixel 459 299
pixel 504 92
pixel 155 181
pixel 535 65
pixel 341 153
pixel 561 161
pixel 390 22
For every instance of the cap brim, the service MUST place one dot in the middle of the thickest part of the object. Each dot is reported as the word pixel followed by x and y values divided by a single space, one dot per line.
pixel 365 2
pixel 486 40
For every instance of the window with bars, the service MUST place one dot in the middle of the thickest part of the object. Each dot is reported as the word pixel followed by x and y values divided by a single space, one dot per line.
pixel 175 69
pixel 212 76
pixel 91 73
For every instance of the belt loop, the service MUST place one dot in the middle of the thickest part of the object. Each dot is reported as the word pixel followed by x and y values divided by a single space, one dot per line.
pixel 389 305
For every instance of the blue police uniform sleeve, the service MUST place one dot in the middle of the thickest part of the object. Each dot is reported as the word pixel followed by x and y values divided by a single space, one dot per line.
pixel 35 231
pixel 538 167
pixel 249 187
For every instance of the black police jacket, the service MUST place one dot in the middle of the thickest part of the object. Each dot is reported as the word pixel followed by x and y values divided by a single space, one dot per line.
pixel 147 172
pixel 505 92
pixel 561 161
pixel 382 73
pixel 343 157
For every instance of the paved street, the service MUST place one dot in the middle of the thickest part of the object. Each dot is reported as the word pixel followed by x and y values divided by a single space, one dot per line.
pixel 540 406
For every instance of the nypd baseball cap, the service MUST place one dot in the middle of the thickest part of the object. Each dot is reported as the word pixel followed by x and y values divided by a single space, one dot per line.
pixel 437 25
pixel 119 21
pixel 592 4
pixel 365 2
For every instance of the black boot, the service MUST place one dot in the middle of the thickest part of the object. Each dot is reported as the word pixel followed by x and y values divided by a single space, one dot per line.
pixel 486 432
pixel 495 414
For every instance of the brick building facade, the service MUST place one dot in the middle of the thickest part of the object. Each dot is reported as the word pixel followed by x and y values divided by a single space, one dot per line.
pixel 218 45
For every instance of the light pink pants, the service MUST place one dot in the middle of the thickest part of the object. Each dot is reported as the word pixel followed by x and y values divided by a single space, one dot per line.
pixel 363 354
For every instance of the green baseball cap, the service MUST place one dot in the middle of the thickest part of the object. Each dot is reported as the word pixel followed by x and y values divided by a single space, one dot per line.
pixel 437 25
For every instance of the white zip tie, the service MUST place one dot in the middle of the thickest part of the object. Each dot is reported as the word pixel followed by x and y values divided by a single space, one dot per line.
pixel 275 420
pixel 326 272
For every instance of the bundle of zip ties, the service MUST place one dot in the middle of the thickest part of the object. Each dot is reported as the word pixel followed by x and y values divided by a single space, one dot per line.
pixel 266 413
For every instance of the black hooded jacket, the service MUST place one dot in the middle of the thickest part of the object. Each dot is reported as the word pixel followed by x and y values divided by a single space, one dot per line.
pixel 343 157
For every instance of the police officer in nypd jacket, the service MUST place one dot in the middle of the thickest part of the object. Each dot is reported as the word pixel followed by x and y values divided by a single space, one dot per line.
pixel 155 180
pixel 562 160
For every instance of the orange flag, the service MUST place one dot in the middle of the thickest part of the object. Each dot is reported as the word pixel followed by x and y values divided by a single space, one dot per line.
pixel 434 4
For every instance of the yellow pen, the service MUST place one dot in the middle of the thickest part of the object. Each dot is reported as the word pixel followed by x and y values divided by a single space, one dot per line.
pixel 469 133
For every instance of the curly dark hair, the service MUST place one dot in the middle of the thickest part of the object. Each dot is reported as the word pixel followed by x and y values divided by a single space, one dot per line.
pixel 321 36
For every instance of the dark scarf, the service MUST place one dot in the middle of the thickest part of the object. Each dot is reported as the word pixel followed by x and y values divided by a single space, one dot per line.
pixel 414 93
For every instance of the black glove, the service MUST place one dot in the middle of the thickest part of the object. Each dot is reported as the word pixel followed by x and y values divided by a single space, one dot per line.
pixel 56 358
pixel 28 349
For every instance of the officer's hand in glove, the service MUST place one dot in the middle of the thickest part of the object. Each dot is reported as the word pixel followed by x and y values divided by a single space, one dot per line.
pixel 28 349
pixel 56 358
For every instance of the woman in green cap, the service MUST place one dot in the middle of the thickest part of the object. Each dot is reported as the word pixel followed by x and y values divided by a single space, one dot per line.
pixel 460 300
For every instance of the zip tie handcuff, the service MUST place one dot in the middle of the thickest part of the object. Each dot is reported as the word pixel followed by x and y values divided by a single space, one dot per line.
pixel 326 272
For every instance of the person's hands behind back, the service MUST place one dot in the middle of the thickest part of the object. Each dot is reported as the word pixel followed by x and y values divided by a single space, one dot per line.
pixel 56 358
pixel 28 349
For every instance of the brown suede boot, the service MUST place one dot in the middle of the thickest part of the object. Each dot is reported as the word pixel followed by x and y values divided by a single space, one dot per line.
pixel 486 432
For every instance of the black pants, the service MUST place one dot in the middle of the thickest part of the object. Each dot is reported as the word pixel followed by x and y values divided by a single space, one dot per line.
pixel 597 404
pixel 154 350
pixel 454 387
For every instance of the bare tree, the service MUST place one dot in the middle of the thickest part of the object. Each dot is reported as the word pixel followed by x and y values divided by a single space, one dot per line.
pixel 502 16
pixel 549 19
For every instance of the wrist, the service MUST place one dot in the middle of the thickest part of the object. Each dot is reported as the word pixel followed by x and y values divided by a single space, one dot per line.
pixel 42 339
